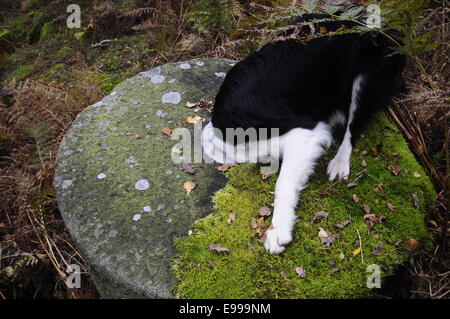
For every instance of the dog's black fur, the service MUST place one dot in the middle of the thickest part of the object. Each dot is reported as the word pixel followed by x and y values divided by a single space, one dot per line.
pixel 288 84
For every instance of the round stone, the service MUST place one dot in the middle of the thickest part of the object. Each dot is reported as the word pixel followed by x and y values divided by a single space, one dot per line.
pixel 130 257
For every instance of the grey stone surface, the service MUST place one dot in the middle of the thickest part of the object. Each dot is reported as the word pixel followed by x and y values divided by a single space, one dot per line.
pixel 119 192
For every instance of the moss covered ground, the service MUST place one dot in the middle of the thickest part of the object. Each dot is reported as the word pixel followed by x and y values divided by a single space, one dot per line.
pixel 335 271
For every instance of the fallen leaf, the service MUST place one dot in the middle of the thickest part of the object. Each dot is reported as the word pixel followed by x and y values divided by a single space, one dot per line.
pixel 432 222
pixel 329 239
pixel 218 248
pixel 254 223
pixel 416 174
pixel 366 208
pixel 319 215
pixel 364 163
pixel 190 232
pixel 356 251
pixel 343 224
pixel 188 168
pixel 193 119
pixel 265 176
pixel 391 207
pixel 189 186
pixel 223 168
pixel 190 104
pixel 231 217
pixel 167 131
pixel 372 219
pixel 264 211
pixel 378 250
pixel 322 233
pixel 394 169
pixel 300 271
pixel 416 201
pixel 411 244
pixel 355 198
pixel 350 185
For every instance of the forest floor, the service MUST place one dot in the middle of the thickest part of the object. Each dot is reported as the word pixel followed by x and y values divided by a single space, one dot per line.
pixel 50 73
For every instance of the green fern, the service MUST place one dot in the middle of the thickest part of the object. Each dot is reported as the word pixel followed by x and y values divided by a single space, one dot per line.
pixel 43 138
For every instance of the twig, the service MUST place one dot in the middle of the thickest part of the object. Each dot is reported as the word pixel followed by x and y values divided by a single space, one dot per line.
pixel 360 247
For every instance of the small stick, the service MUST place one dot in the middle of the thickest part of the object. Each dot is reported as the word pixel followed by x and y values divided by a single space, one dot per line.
pixel 360 246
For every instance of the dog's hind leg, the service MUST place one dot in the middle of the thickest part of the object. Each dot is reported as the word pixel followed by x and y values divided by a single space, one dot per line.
pixel 339 166
pixel 300 148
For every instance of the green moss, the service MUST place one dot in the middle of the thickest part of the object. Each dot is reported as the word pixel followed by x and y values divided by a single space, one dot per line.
pixel 250 272
pixel 22 72
pixel 47 31
pixel 107 82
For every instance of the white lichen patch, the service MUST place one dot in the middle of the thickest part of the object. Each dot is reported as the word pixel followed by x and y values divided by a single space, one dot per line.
pixel 147 209
pixel 132 162
pixel 68 152
pixel 154 75
pixel 101 176
pixel 112 233
pixel 185 66
pixel 67 183
pixel 98 104
pixel 171 97
pixel 220 74
pixel 160 113
pixel 136 217
pixel 142 185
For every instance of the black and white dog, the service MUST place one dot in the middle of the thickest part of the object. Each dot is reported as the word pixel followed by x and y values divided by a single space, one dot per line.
pixel 304 90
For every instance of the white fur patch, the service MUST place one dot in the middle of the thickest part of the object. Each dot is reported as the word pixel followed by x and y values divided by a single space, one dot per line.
pixel 339 166
pixel 300 148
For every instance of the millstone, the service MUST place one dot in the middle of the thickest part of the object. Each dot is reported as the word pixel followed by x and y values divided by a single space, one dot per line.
pixel 119 192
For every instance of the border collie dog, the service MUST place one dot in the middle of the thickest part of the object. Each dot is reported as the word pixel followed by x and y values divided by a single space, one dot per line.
pixel 305 91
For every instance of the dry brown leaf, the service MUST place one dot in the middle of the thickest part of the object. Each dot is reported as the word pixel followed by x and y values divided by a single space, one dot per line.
pixel 191 105
pixel 391 207
pixel 223 168
pixel 343 224
pixel 355 198
pixel 394 169
pixel 167 131
pixel 300 271
pixel 231 217
pixel 189 186
pixel 193 119
pixel 218 248
pixel 366 208
pixel 187 168
pixel 265 211
pixel 322 233
pixel 411 244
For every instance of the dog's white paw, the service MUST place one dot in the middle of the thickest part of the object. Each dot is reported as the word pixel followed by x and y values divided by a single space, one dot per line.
pixel 277 239
pixel 339 167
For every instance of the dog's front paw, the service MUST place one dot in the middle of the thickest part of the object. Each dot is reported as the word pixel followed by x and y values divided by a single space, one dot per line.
pixel 276 239
pixel 339 167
